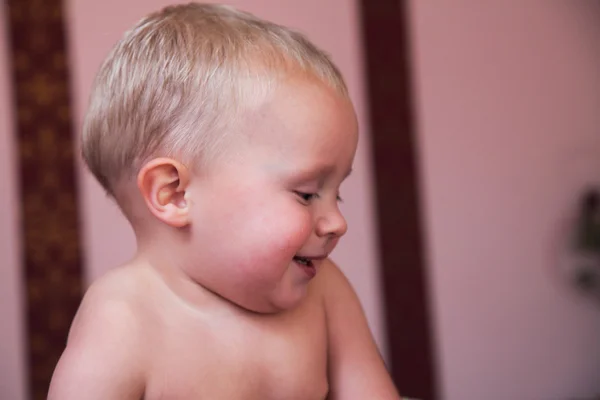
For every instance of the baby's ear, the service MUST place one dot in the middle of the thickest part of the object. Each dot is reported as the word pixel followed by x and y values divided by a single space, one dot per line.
pixel 163 183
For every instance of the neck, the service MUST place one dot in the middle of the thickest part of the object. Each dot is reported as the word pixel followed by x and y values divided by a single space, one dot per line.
pixel 167 259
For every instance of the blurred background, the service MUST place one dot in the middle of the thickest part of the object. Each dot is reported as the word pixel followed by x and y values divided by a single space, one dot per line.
pixel 480 135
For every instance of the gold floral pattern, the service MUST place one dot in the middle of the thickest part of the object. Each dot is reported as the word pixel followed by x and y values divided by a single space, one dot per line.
pixel 48 186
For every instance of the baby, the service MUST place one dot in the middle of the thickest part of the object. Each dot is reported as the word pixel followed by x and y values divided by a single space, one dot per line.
pixel 224 139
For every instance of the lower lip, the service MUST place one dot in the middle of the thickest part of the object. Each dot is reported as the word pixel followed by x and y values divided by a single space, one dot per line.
pixel 309 270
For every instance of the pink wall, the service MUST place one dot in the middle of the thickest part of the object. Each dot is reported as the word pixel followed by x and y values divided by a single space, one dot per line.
pixel 332 24
pixel 508 103
pixel 12 359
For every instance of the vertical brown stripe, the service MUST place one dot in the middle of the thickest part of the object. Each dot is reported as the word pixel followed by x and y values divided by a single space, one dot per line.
pixel 385 30
pixel 49 212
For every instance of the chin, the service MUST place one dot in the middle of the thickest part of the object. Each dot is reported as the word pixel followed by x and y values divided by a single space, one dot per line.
pixel 292 300
pixel 280 303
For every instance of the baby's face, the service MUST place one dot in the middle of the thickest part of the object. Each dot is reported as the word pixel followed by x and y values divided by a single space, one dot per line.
pixel 263 219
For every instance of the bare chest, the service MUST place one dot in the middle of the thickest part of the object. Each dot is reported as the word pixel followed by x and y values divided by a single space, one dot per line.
pixel 226 357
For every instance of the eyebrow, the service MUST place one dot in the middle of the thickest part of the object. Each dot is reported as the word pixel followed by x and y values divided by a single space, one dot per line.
pixel 327 169
pixel 319 172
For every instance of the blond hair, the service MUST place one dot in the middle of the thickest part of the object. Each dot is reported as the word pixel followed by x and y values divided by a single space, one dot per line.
pixel 178 79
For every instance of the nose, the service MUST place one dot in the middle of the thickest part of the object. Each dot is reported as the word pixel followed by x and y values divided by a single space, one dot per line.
pixel 332 224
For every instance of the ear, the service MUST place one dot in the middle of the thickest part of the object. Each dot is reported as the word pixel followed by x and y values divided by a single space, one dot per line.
pixel 163 183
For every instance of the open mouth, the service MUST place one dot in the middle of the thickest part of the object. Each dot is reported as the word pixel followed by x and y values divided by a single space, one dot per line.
pixel 309 264
pixel 303 261
pixel 306 264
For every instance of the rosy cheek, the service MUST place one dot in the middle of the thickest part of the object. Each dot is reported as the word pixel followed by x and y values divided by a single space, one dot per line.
pixel 296 227
pixel 279 234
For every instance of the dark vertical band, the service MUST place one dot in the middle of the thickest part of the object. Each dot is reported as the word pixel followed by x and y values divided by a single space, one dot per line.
pixel 385 30
pixel 48 186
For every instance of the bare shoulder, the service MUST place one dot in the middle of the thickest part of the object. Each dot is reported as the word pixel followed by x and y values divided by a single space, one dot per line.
pixel 330 274
pixel 104 356
pixel 335 289
pixel 356 368
pixel 115 300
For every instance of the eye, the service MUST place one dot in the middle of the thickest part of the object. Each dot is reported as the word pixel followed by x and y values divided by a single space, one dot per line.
pixel 339 199
pixel 307 197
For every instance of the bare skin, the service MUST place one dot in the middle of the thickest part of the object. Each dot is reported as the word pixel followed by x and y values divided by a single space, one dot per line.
pixel 221 302
pixel 148 343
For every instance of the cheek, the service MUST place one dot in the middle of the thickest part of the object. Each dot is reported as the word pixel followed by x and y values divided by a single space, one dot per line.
pixel 253 234
pixel 274 229
pixel 278 233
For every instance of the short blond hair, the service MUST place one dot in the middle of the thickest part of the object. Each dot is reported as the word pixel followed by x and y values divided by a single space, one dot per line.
pixel 174 83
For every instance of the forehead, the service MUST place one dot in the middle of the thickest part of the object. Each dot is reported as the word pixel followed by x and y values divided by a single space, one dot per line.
pixel 306 115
